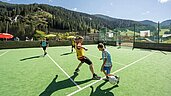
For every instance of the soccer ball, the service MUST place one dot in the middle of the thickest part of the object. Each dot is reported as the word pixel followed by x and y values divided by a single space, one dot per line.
pixel 113 80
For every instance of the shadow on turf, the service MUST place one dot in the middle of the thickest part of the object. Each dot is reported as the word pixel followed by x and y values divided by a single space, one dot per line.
pixel 67 53
pixel 100 92
pixel 163 52
pixel 55 86
pixel 33 57
pixel 142 49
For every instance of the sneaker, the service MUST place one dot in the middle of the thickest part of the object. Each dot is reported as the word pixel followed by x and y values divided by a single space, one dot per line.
pixel 95 77
pixel 45 53
pixel 77 70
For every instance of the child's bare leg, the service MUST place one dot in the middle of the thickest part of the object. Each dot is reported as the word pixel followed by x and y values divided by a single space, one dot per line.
pixel 105 73
pixel 91 68
pixel 77 69
pixel 92 71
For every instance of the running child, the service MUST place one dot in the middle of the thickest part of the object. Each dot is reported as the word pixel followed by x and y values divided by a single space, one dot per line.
pixel 44 44
pixel 81 56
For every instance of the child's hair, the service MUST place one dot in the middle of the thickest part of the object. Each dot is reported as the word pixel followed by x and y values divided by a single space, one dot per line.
pixel 79 37
pixel 43 38
pixel 100 45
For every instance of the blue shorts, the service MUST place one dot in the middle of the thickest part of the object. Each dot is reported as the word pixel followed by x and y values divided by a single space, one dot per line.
pixel 107 70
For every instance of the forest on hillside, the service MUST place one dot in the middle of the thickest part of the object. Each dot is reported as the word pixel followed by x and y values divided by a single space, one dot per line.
pixel 23 20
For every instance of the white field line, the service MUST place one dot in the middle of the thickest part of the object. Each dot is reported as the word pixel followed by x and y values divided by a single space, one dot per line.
pixel 4 53
pixel 112 61
pixel 37 48
pixel 64 72
pixel 112 73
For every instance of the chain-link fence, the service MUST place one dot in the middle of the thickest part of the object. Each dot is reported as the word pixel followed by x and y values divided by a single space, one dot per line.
pixel 156 34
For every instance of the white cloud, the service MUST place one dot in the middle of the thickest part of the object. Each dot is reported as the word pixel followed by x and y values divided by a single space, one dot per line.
pixel 75 9
pixel 164 1
pixel 147 12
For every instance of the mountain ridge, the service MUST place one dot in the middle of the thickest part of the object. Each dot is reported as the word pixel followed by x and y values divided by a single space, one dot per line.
pixel 49 18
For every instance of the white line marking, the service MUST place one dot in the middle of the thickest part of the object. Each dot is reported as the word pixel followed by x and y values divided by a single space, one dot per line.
pixel 36 48
pixel 112 61
pixel 64 72
pixel 4 53
pixel 112 73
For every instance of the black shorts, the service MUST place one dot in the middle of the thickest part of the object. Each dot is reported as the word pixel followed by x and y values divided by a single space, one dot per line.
pixel 86 60
pixel 44 47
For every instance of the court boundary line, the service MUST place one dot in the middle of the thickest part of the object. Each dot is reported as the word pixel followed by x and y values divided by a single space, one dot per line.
pixel 112 73
pixel 64 71
pixel 4 53
pixel 31 48
pixel 112 60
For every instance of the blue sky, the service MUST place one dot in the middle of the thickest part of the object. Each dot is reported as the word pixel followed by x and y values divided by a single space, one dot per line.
pixel 155 10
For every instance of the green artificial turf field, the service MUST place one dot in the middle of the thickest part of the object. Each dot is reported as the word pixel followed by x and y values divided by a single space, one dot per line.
pixel 25 72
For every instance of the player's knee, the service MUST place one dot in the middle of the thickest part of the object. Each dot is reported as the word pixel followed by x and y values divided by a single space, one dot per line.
pixel 90 64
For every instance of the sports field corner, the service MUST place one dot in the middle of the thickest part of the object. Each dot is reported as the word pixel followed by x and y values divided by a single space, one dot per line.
pixel 26 72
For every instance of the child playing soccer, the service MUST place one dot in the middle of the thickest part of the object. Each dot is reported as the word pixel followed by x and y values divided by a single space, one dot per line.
pixel 119 43
pixel 72 44
pixel 107 62
pixel 81 56
pixel 44 44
